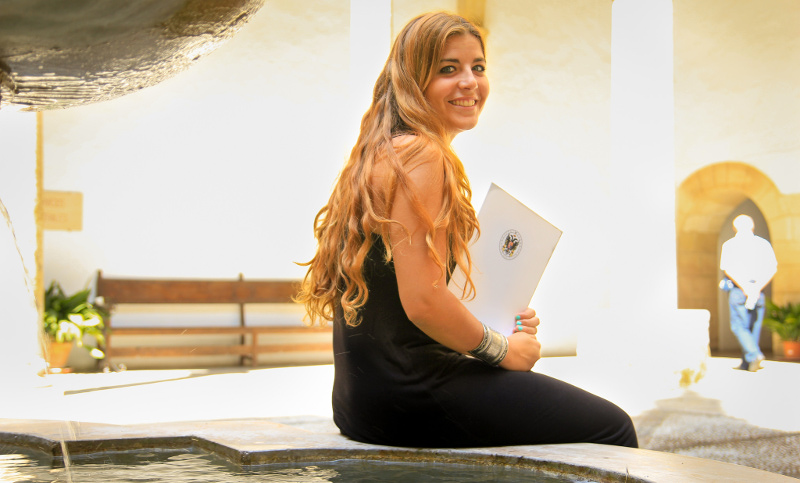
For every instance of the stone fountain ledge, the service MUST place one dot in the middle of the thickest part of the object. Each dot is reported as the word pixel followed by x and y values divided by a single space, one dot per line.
pixel 302 440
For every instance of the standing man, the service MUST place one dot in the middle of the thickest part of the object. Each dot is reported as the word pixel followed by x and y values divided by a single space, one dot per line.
pixel 749 263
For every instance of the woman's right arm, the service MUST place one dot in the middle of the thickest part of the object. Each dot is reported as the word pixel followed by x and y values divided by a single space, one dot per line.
pixel 422 283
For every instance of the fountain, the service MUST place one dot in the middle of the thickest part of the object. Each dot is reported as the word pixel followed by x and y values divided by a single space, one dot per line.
pixel 62 54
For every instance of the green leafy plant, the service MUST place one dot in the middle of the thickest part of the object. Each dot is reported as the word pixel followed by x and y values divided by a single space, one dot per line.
pixel 71 317
pixel 784 320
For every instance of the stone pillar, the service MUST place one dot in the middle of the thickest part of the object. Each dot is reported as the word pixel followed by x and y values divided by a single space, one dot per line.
pixel 19 323
pixel 640 227
pixel 642 156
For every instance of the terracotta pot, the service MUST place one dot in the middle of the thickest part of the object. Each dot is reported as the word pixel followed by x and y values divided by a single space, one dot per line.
pixel 58 354
pixel 791 349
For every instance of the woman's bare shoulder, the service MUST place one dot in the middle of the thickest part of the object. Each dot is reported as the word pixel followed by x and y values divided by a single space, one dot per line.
pixel 415 152
pixel 418 166
pixel 402 140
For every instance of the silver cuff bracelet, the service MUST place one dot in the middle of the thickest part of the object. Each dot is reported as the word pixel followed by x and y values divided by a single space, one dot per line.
pixel 493 348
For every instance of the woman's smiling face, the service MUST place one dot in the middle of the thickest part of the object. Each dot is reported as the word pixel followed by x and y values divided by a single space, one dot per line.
pixel 459 87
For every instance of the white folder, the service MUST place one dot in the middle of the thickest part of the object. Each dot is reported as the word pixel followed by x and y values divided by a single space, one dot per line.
pixel 508 259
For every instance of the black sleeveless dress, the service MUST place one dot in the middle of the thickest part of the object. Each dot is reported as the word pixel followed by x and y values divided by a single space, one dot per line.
pixel 396 386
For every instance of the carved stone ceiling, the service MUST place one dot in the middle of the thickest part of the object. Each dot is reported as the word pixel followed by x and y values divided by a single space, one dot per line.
pixel 62 53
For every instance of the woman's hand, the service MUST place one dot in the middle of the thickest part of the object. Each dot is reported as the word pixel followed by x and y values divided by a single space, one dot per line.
pixel 524 349
pixel 527 322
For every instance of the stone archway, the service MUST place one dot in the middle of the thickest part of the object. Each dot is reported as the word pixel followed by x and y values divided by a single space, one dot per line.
pixel 704 200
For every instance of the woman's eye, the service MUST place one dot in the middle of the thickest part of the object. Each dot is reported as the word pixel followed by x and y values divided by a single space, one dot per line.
pixel 448 69
pixel 479 68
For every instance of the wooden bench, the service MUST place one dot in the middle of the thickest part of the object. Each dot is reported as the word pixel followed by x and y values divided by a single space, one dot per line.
pixel 241 292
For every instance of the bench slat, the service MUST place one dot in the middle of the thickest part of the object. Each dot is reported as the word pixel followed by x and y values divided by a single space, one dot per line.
pixel 215 330
pixel 213 350
pixel 123 291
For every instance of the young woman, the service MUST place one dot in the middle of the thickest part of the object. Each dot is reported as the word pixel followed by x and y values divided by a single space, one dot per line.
pixel 413 367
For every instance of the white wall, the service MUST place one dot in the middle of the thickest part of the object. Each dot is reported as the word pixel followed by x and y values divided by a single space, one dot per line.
pixel 217 171
pixel 737 86
pixel 19 349
pixel 405 10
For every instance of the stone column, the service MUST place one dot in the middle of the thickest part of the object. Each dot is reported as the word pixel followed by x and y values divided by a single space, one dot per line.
pixel 642 156
pixel 640 227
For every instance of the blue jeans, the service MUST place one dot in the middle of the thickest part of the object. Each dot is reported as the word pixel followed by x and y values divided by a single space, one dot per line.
pixel 746 324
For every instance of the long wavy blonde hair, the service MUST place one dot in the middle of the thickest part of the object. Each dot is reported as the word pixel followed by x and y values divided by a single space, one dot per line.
pixel 356 209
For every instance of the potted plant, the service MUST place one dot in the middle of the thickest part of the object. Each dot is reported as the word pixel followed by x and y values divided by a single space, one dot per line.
pixel 784 321
pixel 69 318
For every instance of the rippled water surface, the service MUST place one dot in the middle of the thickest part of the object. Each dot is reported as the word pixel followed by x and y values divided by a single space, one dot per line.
pixel 183 467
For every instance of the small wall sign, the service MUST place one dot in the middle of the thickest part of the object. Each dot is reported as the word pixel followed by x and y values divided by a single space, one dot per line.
pixel 62 210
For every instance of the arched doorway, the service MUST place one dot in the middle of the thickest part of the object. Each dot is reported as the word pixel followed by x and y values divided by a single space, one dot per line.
pixel 705 200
